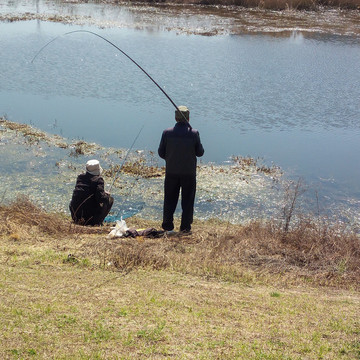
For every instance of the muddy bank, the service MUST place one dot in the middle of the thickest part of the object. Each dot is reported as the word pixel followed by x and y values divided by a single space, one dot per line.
pixel 193 18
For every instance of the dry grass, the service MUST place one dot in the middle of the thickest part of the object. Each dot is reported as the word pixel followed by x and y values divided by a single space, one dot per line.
pixel 21 219
pixel 256 252
pixel 83 148
pixel 263 4
pixel 309 252
pixel 26 130
pixel 245 163
pixel 137 168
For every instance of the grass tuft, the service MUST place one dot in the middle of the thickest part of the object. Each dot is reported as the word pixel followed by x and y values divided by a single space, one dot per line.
pixel 22 217
pixel 309 251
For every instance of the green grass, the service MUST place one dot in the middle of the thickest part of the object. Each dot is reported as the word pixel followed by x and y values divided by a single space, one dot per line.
pixel 64 310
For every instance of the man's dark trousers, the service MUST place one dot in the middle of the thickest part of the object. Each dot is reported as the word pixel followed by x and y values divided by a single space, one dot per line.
pixel 105 209
pixel 173 184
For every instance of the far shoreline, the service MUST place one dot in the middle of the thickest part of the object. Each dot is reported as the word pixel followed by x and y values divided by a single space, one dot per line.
pixel 193 17
pixel 261 4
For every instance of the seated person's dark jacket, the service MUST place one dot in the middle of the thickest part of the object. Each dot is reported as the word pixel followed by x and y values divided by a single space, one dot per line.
pixel 180 146
pixel 89 199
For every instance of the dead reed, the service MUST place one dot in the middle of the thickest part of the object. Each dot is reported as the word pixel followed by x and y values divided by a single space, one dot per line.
pixel 24 217
pixel 262 4
pixel 137 167
pixel 294 4
pixel 83 148
pixel 309 251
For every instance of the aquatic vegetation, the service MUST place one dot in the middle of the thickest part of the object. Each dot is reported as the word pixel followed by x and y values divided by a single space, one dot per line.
pixel 82 147
pixel 137 168
pixel 140 179
pixel 262 4
pixel 31 135
pixel 248 163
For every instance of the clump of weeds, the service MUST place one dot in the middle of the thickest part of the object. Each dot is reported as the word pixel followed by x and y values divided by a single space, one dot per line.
pixel 322 253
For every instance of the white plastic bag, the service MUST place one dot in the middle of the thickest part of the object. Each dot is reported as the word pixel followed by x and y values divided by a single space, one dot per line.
pixel 119 230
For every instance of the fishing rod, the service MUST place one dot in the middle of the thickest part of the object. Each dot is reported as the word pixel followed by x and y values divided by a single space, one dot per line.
pixel 124 53
pixel 123 162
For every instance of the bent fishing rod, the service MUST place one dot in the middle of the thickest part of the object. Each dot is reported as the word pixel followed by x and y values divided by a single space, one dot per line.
pixel 124 53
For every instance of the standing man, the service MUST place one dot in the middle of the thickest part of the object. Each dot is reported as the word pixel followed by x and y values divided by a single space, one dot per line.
pixel 180 146
pixel 90 203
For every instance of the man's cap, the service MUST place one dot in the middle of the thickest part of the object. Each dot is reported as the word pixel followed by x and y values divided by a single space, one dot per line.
pixel 93 167
pixel 182 111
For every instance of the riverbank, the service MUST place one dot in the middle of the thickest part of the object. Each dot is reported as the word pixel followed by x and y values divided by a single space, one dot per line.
pixel 309 251
pixel 276 18
pixel 226 291
pixel 262 4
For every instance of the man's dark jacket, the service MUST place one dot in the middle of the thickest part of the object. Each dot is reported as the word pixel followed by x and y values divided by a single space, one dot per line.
pixel 87 198
pixel 180 146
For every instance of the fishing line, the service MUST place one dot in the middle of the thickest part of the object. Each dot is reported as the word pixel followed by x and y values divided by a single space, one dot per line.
pixel 133 61
pixel 123 162
pixel 123 52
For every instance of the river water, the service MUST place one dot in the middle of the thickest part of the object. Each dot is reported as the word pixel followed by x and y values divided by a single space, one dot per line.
pixel 288 95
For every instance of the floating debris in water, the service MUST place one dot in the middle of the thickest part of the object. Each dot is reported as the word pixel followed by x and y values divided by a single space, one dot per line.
pixel 83 148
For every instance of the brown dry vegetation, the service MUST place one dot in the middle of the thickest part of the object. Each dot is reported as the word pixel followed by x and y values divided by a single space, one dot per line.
pixel 263 4
pixel 31 135
pixel 321 256
pixel 136 167
pixel 308 253
pixel 22 219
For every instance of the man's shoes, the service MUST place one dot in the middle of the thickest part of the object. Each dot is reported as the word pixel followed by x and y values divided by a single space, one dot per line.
pixel 185 232
pixel 170 232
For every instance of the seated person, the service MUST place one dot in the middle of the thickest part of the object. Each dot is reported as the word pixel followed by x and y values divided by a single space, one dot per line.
pixel 90 203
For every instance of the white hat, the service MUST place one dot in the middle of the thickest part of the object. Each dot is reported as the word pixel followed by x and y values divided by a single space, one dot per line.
pixel 93 167
pixel 181 112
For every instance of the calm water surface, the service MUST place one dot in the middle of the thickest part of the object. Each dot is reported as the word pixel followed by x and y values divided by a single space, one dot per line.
pixel 291 100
